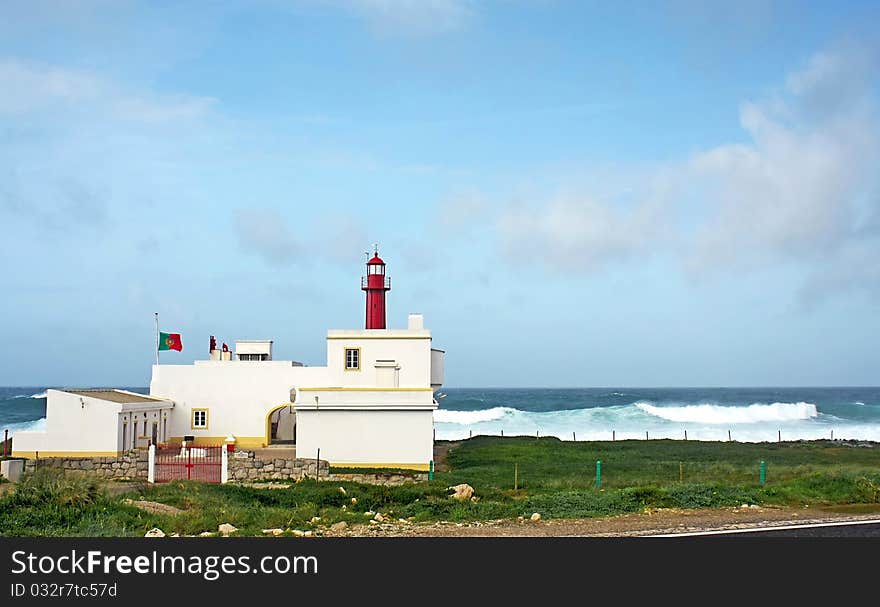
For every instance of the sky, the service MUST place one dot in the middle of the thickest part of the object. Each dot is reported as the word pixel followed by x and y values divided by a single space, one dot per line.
pixel 573 193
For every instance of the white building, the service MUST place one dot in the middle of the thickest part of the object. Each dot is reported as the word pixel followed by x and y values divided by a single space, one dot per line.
pixel 371 405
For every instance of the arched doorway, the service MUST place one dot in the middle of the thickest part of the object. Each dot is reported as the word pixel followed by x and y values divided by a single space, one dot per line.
pixel 281 426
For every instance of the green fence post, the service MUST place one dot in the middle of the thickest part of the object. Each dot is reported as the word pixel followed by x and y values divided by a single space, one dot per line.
pixel 763 471
pixel 431 471
pixel 598 473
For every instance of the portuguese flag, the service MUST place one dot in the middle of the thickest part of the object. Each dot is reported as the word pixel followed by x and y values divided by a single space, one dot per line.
pixel 170 341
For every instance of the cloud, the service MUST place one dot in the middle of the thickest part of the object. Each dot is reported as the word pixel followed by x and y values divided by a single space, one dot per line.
pixel 576 232
pixel 801 191
pixel 28 88
pixel 264 232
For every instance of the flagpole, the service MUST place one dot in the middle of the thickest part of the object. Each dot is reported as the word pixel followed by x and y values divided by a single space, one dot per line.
pixel 157 337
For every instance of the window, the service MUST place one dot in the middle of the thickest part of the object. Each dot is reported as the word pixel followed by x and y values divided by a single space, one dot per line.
pixel 253 357
pixel 200 419
pixel 352 359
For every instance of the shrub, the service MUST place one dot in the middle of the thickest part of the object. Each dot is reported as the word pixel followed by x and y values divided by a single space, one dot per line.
pixel 51 487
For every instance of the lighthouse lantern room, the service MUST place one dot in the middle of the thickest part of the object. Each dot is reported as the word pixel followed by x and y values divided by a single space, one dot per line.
pixel 375 283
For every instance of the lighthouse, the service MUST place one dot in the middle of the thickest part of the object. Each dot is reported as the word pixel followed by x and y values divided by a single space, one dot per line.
pixel 375 283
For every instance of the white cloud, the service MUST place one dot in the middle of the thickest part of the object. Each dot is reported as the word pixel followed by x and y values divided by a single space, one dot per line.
pixel 802 191
pixel 30 87
pixel 576 232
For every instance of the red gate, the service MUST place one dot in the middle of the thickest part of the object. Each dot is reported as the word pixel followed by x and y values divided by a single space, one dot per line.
pixel 188 463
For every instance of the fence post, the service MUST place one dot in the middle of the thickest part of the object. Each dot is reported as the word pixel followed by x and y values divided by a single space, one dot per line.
pixel 763 475
pixel 151 464
pixel 598 473
pixel 224 465
pixel 431 471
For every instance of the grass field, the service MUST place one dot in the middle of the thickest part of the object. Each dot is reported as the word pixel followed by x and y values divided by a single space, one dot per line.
pixel 554 478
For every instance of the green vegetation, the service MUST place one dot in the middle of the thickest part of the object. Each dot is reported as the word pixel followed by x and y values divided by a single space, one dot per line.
pixel 554 478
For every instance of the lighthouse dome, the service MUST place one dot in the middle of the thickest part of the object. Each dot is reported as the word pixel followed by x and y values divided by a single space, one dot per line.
pixel 376 261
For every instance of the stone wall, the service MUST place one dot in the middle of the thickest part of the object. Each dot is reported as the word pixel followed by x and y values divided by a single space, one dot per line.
pixel 244 466
pixel 388 479
pixel 128 466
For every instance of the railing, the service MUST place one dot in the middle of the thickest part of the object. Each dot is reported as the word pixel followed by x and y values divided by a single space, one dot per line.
pixel 387 282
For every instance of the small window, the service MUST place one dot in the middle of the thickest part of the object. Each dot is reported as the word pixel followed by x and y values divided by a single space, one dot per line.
pixel 352 359
pixel 200 419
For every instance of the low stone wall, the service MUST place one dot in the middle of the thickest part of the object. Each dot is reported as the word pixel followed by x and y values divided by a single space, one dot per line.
pixel 244 466
pixel 386 479
pixel 128 466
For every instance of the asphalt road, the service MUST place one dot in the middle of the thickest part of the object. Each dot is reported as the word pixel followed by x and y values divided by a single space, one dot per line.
pixel 843 529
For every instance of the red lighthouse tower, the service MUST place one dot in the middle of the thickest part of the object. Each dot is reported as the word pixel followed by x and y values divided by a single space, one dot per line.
pixel 375 283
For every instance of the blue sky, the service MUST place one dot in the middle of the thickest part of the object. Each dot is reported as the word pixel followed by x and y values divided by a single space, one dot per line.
pixel 573 193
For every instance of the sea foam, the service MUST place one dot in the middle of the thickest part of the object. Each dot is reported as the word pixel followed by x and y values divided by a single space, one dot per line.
pixel 715 414
pixel 445 416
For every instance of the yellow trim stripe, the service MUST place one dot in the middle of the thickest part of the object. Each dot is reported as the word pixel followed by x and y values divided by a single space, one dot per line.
pixel 352 337
pixel 365 389
pixel 244 442
pixel 48 454
pixel 417 467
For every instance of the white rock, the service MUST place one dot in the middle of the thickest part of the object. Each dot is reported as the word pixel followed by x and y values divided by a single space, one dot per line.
pixel 315 519
pixel 226 529
pixel 298 532
pixel 275 532
pixel 744 505
pixel 535 517
pixel 308 534
pixel 342 490
pixel 354 501
pixel 155 532
pixel 463 492
pixel 379 518
pixel 207 534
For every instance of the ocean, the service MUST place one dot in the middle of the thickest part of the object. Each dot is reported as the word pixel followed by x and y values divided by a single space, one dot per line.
pixel 748 414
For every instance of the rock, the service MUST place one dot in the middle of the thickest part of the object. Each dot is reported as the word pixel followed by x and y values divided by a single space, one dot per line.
pixel 340 526
pixel 379 518
pixel 153 507
pixel 354 501
pixel 342 491
pixel 315 519
pixel 369 513
pixel 207 534
pixel 226 529
pixel 520 519
pixel 298 533
pixel 756 506
pixel 744 506
pixel 275 532
pixel 535 517
pixel 175 535
pixel 463 492
pixel 308 534
pixel 155 532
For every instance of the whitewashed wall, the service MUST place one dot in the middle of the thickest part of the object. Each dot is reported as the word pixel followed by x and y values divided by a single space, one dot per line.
pixel 367 438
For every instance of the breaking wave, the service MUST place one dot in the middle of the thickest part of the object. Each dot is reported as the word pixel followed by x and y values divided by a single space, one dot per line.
pixel 714 414
pixel 445 416
pixel 35 425
pixel 39 395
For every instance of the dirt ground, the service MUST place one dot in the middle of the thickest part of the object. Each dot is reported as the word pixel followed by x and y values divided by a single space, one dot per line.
pixel 646 523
